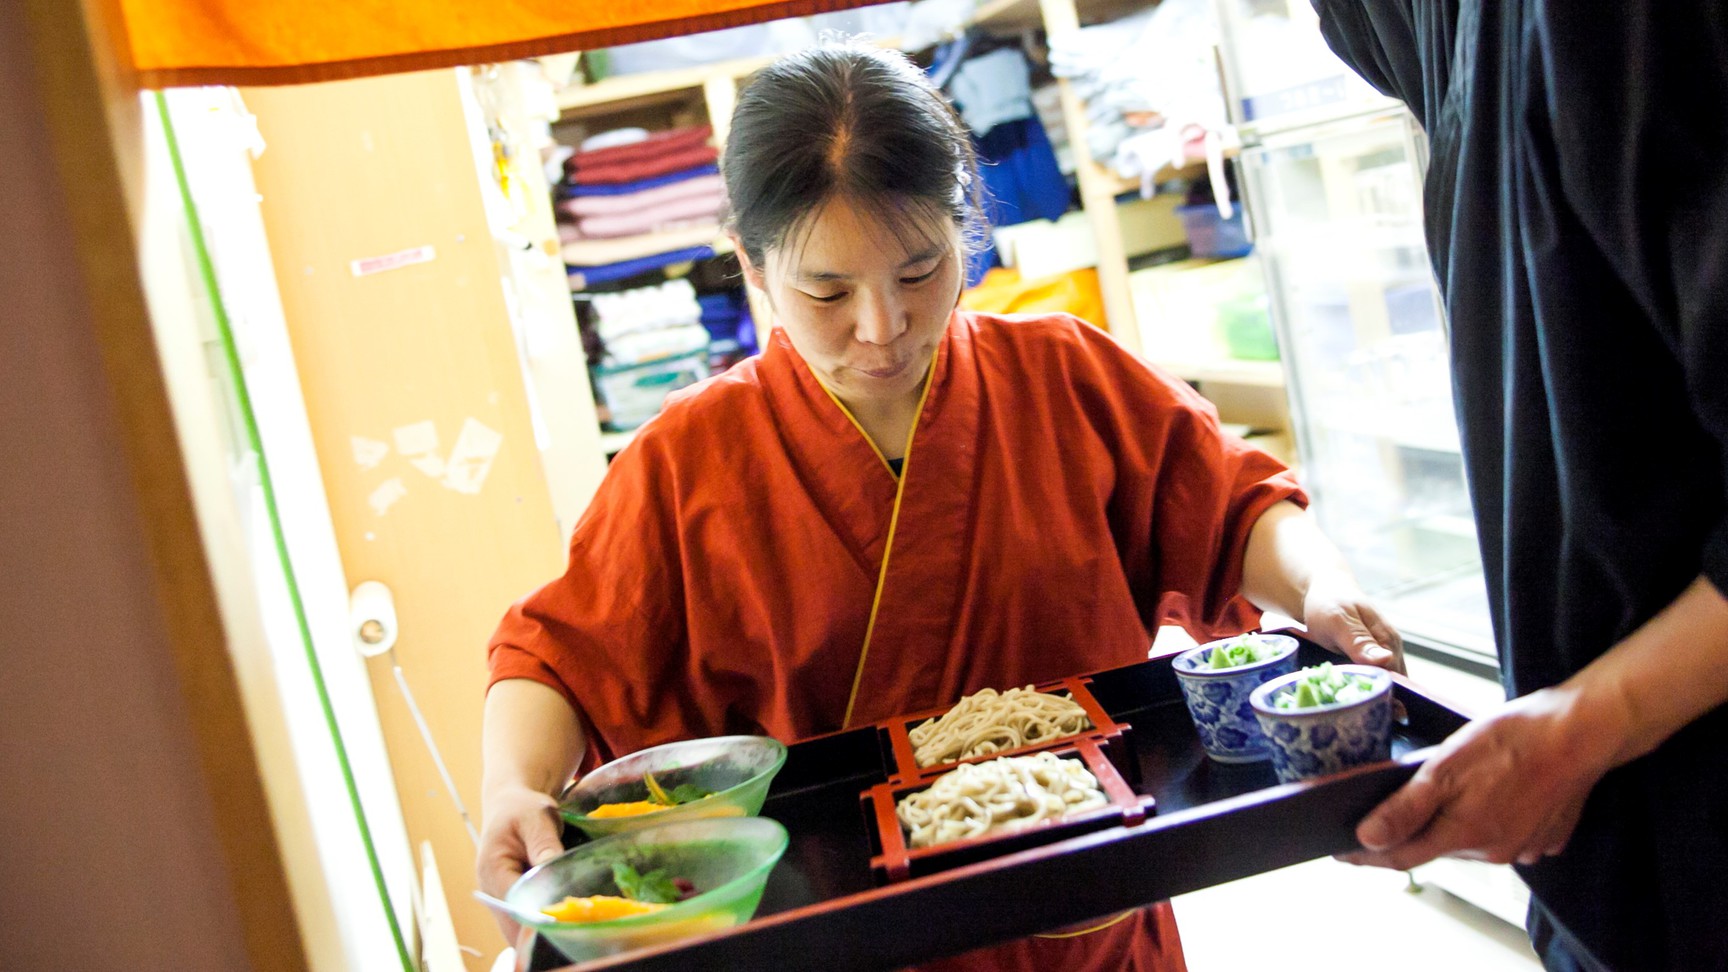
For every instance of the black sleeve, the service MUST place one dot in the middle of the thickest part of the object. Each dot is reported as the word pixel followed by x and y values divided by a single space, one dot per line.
pixel 1637 116
pixel 1401 47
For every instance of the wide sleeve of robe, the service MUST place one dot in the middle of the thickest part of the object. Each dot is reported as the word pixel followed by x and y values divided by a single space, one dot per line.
pixel 1184 494
pixel 606 634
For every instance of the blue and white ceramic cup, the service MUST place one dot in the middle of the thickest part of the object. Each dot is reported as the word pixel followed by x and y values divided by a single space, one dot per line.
pixel 1218 697
pixel 1328 738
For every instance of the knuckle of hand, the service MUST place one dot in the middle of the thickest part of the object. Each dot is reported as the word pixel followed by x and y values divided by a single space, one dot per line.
pixel 1406 860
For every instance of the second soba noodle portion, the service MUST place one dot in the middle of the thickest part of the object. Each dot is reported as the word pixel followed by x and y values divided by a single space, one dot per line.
pixel 978 798
pixel 988 721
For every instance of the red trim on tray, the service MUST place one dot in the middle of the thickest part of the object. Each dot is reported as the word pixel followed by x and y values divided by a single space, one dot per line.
pixel 1104 728
pixel 895 861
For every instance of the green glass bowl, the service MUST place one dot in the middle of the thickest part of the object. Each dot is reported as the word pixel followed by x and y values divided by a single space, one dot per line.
pixel 728 860
pixel 736 769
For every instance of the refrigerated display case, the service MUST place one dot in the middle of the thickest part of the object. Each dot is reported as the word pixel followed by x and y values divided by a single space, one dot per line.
pixel 1279 72
pixel 1332 174
pixel 1336 211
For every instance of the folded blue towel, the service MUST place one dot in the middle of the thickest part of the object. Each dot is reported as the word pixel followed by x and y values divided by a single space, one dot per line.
pixel 583 277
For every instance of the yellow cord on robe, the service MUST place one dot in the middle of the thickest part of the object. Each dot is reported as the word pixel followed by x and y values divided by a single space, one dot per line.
pixel 872 442
pixel 893 521
pixel 1095 928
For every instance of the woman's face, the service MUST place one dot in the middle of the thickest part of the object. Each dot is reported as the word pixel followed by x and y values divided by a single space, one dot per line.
pixel 863 305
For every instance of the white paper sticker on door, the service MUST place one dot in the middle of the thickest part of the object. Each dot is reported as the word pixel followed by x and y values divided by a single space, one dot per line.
pixel 391 261
pixel 386 495
pixel 471 458
pixel 417 439
pixel 368 452
pixel 431 464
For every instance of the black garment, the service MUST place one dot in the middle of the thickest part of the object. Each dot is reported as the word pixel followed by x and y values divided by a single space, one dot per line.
pixel 1577 207
pixel 895 465
pixel 1553 946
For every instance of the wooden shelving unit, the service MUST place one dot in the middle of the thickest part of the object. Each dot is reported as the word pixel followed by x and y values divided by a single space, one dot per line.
pixel 1100 188
pixel 675 240
pixel 715 85
pixel 713 89
pixel 1192 170
pixel 1257 374
pixel 645 90
pixel 1013 16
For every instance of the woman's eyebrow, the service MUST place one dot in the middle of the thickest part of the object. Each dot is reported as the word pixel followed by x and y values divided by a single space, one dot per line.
pixel 821 276
pixel 827 276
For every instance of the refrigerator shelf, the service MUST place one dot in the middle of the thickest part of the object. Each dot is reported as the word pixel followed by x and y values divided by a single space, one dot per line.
pixel 1213 823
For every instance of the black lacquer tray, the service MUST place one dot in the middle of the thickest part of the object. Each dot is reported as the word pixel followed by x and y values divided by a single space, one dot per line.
pixel 824 907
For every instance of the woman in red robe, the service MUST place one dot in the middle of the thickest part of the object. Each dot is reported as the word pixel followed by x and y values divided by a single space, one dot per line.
pixel 896 504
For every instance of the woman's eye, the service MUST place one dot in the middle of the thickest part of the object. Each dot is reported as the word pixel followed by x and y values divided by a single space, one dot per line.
pixel 920 278
pixel 826 298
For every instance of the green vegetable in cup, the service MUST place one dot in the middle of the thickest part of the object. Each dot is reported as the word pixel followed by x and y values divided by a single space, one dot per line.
pixel 1324 685
pixel 1242 651
pixel 655 887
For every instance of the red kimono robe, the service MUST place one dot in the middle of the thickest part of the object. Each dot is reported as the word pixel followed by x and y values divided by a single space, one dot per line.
pixel 1060 500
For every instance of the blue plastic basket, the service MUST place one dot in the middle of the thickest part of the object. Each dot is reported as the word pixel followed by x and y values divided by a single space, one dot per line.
pixel 1210 235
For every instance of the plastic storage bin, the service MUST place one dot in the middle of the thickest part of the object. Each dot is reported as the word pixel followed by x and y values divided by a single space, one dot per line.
pixel 1211 235
pixel 1245 324
pixel 635 393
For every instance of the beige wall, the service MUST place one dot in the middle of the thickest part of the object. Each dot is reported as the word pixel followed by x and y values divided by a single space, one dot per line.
pixel 362 169
pixel 138 833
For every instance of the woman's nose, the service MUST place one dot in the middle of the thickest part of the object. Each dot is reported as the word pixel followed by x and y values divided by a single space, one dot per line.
pixel 880 320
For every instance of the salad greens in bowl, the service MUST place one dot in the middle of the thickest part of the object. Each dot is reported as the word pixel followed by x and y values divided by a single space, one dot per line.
pixel 723 776
pixel 1216 679
pixel 1324 719
pixel 650 886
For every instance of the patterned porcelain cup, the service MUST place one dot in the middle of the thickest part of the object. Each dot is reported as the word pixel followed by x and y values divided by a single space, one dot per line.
pixel 1218 697
pixel 1327 738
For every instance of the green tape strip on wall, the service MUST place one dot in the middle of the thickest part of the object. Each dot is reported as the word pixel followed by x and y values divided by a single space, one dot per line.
pixel 231 355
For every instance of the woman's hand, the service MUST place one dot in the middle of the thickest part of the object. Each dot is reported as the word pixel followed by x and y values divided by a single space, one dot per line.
pixel 1338 616
pixel 532 742
pixel 1290 567
pixel 521 830
pixel 1507 787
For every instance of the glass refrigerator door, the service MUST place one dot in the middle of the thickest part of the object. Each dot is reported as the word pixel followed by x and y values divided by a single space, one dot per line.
pixel 1280 72
pixel 1338 218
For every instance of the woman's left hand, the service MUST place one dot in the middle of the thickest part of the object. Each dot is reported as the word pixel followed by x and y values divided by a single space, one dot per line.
pixel 1339 616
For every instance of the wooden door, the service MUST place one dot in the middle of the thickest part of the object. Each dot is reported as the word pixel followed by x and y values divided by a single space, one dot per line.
pixel 392 289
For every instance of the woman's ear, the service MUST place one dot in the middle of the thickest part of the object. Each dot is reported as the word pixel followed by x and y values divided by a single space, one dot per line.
pixel 752 272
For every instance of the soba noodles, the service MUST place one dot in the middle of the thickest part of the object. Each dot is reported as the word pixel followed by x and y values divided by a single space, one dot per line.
pixel 1014 791
pixel 988 721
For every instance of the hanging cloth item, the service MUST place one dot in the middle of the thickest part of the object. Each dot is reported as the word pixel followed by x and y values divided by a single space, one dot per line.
pixel 254 42
pixel 1004 291
pixel 993 88
pixel 1021 177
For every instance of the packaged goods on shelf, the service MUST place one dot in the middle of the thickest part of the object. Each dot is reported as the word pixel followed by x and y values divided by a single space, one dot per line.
pixel 635 393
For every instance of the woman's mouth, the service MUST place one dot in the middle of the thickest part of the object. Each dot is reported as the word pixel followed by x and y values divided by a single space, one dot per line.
pixel 885 373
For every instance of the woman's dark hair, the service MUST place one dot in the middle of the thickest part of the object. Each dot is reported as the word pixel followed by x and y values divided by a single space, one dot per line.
pixel 846 119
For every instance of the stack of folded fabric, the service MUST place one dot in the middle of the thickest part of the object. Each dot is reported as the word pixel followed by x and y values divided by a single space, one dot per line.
pixel 639 204
pixel 731 330
pixel 1150 84
pixel 649 323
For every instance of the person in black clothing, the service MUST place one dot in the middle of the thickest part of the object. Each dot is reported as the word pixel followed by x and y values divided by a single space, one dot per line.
pixel 1577 217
